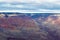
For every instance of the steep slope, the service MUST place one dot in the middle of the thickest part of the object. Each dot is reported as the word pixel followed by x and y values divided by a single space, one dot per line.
pixel 23 27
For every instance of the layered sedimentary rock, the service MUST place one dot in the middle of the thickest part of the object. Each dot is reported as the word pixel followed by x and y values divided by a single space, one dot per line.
pixel 25 27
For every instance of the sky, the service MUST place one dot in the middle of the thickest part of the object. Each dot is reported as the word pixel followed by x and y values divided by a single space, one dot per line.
pixel 30 6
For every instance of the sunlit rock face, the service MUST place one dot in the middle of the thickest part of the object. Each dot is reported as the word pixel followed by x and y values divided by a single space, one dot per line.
pixel 24 27
pixel 53 19
pixel 53 23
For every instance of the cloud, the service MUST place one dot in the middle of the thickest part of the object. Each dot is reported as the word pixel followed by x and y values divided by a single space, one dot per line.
pixel 30 1
pixel 32 6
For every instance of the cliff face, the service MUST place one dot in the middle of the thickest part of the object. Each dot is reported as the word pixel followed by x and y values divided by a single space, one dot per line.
pixel 17 22
pixel 16 26
pixel 51 25
pixel 26 28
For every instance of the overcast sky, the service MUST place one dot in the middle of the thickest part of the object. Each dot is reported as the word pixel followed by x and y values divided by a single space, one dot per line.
pixel 30 6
